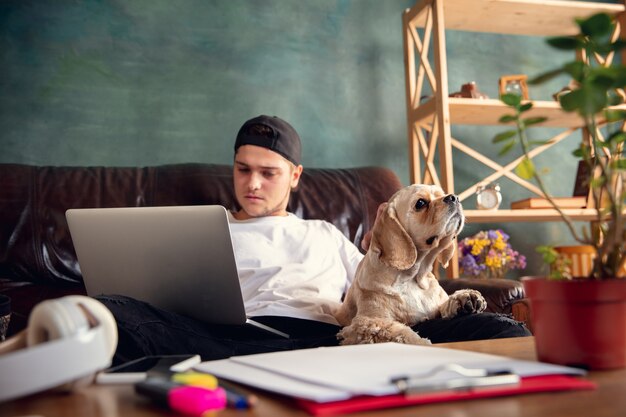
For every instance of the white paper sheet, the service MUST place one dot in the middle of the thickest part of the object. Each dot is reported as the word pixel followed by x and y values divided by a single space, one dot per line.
pixel 334 373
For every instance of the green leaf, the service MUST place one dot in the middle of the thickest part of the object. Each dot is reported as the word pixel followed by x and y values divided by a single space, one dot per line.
pixel 525 169
pixel 596 26
pixel 548 254
pixel 507 118
pixel 615 99
pixel 614 115
pixel 501 137
pixel 587 101
pixel 582 151
pixel 506 148
pixel 575 69
pixel 571 101
pixel 620 164
pixel 566 43
pixel 533 121
pixel 512 100
pixel 546 76
pixel 618 45
pixel 616 138
pixel 603 78
pixel 619 74
pixel 526 106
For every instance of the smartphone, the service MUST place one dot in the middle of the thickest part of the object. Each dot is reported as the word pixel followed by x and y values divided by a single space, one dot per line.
pixel 139 369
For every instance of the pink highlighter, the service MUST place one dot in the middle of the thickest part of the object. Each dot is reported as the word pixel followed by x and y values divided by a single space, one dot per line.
pixel 185 399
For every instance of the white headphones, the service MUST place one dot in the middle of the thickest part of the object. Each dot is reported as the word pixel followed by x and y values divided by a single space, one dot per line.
pixel 67 341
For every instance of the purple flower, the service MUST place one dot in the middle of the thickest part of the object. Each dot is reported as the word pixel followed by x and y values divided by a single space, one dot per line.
pixel 493 234
pixel 469 265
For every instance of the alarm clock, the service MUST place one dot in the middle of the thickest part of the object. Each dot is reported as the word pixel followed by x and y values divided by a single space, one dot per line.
pixel 488 197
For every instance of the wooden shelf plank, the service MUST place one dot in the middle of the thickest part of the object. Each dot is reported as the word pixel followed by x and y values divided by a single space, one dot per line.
pixel 468 111
pixel 517 17
pixel 533 215
pixel 488 112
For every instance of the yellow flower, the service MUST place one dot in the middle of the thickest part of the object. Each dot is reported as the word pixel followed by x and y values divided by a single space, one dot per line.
pixel 499 244
pixel 493 262
pixel 478 245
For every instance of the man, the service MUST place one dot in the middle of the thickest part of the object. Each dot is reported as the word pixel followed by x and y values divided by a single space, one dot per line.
pixel 293 272
pixel 288 267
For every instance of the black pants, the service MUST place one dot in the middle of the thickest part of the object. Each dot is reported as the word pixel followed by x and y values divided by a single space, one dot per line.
pixel 146 330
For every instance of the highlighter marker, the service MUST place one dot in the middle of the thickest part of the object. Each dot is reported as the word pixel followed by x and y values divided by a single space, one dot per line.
pixel 184 399
pixel 196 379
pixel 234 398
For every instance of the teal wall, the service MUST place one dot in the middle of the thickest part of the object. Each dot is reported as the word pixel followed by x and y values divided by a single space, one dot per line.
pixel 144 82
pixel 127 82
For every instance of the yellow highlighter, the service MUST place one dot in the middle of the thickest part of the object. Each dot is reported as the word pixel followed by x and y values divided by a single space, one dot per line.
pixel 196 379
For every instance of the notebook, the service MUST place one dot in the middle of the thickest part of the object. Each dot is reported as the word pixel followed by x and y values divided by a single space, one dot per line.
pixel 178 258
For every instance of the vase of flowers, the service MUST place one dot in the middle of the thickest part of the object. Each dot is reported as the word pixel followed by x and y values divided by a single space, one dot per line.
pixel 488 254
pixel 581 321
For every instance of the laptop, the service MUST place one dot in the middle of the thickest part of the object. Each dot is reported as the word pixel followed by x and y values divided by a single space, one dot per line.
pixel 178 258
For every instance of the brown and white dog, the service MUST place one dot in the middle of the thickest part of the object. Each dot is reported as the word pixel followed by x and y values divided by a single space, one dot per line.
pixel 394 287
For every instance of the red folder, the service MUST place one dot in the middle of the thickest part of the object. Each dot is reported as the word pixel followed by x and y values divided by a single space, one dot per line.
pixel 528 385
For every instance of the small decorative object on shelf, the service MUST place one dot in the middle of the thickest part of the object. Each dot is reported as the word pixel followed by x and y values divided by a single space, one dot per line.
pixel 469 90
pixel 488 254
pixel 488 197
pixel 514 84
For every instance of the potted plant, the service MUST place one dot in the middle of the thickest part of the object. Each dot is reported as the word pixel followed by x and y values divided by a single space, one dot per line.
pixel 582 321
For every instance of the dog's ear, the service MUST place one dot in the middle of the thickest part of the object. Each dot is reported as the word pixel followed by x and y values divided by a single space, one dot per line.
pixel 446 254
pixel 393 242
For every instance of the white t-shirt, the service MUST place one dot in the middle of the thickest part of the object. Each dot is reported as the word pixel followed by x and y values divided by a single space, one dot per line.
pixel 292 267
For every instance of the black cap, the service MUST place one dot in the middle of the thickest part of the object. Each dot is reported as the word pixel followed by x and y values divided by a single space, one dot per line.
pixel 282 138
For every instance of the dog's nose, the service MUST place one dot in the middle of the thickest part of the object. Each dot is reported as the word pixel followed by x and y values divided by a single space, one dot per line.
pixel 450 198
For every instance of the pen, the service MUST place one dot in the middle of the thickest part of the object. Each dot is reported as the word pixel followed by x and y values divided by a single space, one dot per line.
pixel 237 399
pixel 186 399
pixel 467 379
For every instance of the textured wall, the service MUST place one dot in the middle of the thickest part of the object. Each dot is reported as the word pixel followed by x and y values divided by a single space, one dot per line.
pixel 141 82
pixel 158 81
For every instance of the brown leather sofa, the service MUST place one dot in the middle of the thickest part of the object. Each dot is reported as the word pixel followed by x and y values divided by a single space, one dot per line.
pixel 37 258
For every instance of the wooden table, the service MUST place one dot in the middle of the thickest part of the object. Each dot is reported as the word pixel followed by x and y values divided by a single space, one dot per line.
pixel 609 399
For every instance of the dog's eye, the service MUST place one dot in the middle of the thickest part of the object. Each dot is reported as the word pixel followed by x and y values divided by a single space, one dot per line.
pixel 421 204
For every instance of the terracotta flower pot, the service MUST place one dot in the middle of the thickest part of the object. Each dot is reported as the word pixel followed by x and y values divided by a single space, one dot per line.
pixel 579 322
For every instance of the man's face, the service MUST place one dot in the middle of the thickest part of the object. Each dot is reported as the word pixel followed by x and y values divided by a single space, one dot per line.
pixel 263 181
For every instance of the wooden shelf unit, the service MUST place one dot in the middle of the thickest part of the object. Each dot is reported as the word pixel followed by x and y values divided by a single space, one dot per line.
pixel 429 121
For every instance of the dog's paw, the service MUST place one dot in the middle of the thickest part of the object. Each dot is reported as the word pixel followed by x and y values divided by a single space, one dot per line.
pixel 412 339
pixel 364 330
pixel 463 302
